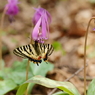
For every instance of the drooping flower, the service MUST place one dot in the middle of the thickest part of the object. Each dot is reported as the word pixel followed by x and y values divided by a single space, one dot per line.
pixel 12 8
pixel 41 20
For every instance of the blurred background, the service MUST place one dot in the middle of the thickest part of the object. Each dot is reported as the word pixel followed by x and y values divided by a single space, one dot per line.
pixel 69 22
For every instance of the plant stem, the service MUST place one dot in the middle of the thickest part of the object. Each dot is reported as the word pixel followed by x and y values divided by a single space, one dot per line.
pixel 1 28
pixel 0 51
pixel 86 35
pixel 27 69
pixel 2 18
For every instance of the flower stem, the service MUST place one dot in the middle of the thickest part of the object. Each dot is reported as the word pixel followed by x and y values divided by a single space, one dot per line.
pixel 27 69
pixel 0 52
pixel 86 35
pixel 2 18
pixel 1 28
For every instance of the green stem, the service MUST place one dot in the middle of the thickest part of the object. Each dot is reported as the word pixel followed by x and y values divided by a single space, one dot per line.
pixel 0 52
pixel 27 69
pixel 1 28
pixel 2 19
pixel 86 35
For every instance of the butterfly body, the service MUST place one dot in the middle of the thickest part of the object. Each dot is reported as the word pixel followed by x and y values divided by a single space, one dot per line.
pixel 34 52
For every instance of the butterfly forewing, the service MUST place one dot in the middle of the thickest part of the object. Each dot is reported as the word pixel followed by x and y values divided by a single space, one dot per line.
pixel 18 52
pixel 27 51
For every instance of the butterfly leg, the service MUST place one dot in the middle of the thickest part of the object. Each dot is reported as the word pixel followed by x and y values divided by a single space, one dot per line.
pixel 46 62
pixel 37 64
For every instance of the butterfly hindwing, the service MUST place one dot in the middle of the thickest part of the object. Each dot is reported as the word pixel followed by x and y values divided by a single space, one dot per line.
pixel 50 49
pixel 46 50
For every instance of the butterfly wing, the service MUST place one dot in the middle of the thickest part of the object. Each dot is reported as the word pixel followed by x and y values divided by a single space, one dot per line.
pixel 28 51
pixel 34 52
pixel 50 49
pixel 46 50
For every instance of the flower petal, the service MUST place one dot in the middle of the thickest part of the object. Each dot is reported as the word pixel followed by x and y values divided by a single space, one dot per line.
pixel 13 1
pixel 12 8
pixel 35 32
pixel 44 29
pixel 45 20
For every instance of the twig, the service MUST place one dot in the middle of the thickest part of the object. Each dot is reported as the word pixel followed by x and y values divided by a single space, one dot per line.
pixel 86 35
pixel 52 91
pixel 78 71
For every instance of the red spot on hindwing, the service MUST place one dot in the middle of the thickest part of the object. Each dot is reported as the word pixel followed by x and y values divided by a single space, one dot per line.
pixel 39 58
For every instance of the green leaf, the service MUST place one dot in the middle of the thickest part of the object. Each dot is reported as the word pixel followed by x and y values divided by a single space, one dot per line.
pixel 2 64
pixel 91 54
pixel 17 72
pixel 42 69
pixel 65 86
pixel 60 93
pixel 91 88
pixel 22 89
pixel 35 70
pixel 57 46
pixel 38 70
pixel 6 86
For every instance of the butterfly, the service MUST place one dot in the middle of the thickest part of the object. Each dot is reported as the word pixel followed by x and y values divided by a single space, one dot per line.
pixel 34 52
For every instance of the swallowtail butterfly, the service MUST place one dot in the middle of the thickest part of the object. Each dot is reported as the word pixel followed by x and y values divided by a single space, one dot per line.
pixel 34 52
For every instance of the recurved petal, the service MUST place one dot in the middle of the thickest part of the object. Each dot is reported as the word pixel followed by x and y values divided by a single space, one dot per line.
pixel 13 1
pixel 48 16
pixel 36 18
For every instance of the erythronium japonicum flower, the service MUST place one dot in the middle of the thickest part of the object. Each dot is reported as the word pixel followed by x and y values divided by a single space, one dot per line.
pixel 93 29
pixel 12 8
pixel 41 20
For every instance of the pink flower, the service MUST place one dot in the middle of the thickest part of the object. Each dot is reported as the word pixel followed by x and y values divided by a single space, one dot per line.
pixel 93 29
pixel 12 8
pixel 41 20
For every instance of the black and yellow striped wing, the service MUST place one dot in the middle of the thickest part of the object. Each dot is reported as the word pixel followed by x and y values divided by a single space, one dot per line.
pixel 34 52
pixel 46 50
